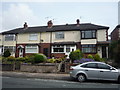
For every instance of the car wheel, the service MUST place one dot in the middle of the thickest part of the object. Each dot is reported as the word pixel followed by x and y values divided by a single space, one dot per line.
pixel 81 78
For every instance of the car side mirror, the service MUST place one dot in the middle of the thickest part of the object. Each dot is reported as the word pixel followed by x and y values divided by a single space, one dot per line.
pixel 112 68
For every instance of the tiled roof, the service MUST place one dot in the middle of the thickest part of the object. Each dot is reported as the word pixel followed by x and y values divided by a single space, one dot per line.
pixel 118 26
pixel 69 27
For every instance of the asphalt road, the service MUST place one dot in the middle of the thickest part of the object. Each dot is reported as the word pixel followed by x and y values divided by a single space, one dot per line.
pixel 12 82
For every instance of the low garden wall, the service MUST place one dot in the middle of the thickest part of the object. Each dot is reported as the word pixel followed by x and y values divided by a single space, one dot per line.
pixel 6 67
pixel 40 68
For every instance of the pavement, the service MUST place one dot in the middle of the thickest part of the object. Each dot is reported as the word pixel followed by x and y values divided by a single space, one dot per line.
pixel 54 76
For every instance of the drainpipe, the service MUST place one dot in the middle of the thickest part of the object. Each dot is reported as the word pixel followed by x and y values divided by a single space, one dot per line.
pixel 40 44
pixel 50 43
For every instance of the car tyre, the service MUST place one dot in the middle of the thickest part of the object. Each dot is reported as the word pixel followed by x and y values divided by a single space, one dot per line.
pixel 81 78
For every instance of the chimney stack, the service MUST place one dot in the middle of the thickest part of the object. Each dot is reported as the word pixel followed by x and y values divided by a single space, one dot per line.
pixel 25 25
pixel 78 22
pixel 50 24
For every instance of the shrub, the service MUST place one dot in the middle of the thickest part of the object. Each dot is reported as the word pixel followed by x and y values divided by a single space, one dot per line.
pixel 90 56
pixel 75 55
pixel 21 59
pixel 54 60
pixel 11 58
pixel 97 57
pixel 30 58
pixel 83 60
pixel 6 53
pixel 38 58
pixel 51 60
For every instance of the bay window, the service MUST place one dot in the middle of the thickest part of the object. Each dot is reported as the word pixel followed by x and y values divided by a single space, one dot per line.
pixel 31 49
pixel 89 48
pixel 58 48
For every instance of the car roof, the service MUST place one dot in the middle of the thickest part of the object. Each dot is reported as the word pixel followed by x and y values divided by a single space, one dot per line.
pixel 93 62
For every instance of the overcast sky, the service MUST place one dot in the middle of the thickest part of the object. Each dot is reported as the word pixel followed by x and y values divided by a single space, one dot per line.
pixel 14 14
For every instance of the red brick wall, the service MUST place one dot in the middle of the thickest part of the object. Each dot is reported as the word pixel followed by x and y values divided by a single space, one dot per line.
pixel 115 35
pixel 58 55
pixel 45 45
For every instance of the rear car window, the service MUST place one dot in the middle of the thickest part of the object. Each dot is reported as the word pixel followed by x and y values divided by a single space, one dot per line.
pixel 90 65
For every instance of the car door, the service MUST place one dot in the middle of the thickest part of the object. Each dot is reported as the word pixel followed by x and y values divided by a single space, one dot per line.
pixel 105 73
pixel 91 70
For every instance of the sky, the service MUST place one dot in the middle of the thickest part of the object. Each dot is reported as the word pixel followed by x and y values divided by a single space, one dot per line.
pixel 14 13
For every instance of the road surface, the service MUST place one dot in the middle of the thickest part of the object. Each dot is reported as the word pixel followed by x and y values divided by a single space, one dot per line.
pixel 12 82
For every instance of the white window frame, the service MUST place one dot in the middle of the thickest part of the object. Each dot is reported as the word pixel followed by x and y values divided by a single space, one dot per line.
pixel 33 37
pixel 59 35
pixel 61 46
pixel 8 35
pixel 64 48
pixel 11 48
pixel 31 47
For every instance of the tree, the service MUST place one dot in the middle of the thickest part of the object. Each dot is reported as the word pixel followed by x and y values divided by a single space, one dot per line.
pixel 6 53
pixel 114 51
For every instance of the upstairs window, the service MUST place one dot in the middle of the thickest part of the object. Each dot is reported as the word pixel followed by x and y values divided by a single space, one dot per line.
pixel 90 34
pixel 33 37
pixel 59 35
pixel 10 37
pixel 89 48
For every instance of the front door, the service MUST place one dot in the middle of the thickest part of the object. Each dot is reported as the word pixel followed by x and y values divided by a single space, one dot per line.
pixel 45 51
pixel 21 52
pixel 69 48
pixel 104 54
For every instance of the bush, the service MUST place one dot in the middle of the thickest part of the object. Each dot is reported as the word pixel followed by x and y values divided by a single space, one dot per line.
pixel 90 56
pixel 21 59
pixel 39 58
pixel 11 58
pixel 75 55
pixel 6 53
pixel 97 57
pixel 30 58
pixel 51 60
pixel 83 60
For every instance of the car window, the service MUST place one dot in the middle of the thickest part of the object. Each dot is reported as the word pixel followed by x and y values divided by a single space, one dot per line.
pixel 91 65
pixel 103 66
pixel 83 65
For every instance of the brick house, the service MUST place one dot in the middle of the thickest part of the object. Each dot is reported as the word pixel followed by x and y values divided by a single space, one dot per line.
pixel 58 40
pixel 115 34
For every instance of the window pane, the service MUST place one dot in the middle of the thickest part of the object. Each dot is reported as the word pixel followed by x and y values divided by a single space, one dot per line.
pixel 33 37
pixel 59 35
pixel 88 34
pixel 9 37
pixel 10 48
pixel 31 49
pixel 89 48
pixel 91 65
pixel 58 50
pixel 102 66
pixel 67 49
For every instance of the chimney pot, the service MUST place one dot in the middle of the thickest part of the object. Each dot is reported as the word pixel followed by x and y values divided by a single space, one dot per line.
pixel 78 22
pixel 50 24
pixel 25 25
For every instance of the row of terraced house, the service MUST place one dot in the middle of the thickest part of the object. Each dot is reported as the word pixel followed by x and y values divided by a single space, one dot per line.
pixel 56 40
